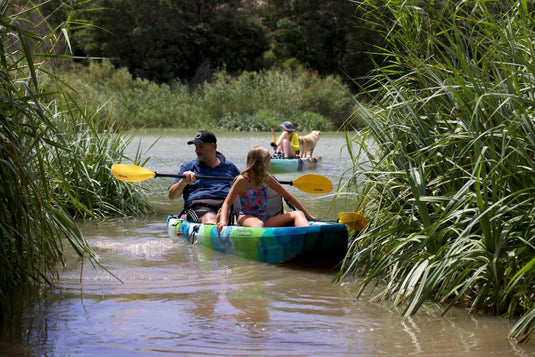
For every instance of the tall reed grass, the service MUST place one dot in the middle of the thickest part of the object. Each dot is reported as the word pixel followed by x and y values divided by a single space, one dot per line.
pixel 226 102
pixel 54 160
pixel 446 165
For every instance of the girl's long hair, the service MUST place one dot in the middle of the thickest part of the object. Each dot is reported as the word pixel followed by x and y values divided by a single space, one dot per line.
pixel 257 165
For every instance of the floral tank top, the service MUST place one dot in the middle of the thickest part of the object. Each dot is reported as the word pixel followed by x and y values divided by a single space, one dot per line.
pixel 254 202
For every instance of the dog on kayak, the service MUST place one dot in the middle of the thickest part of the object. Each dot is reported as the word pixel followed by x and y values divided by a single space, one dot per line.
pixel 308 143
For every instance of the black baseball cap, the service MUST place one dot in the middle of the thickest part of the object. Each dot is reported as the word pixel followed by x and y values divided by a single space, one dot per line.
pixel 203 137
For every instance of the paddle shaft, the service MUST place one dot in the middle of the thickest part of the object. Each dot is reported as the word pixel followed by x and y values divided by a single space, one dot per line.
pixel 212 178
pixel 310 183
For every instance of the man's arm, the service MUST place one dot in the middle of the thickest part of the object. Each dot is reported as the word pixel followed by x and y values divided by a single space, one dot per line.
pixel 175 190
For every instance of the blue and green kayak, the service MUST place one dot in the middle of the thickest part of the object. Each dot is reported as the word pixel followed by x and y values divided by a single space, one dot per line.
pixel 318 242
pixel 290 165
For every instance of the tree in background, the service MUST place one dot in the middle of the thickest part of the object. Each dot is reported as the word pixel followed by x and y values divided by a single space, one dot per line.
pixel 315 32
pixel 169 40
pixel 187 40
pixel 324 35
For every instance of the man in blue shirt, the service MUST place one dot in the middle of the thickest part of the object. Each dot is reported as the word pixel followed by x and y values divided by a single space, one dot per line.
pixel 204 197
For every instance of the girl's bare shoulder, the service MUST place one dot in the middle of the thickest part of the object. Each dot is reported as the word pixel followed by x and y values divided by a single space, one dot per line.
pixel 273 183
pixel 241 180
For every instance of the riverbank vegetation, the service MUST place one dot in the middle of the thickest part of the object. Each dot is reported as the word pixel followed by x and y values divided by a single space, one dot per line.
pixel 249 102
pixel 446 165
pixel 163 41
pixel 228 65
pixel 55 160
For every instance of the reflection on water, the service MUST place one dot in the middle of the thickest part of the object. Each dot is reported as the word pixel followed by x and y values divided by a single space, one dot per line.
pixel 180 299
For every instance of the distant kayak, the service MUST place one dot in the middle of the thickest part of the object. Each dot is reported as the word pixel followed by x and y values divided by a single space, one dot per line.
pixel 318 242
pixel 297 164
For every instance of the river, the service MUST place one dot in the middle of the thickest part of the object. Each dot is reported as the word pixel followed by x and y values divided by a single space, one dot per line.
pixel 174 298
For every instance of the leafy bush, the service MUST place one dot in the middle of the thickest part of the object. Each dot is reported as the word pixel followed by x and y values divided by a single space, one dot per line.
pixel 264 120
pixel 55 161
pixel 308 121
pixel 134 103
pixel 445 167
pixel 80 172
pixel 327 97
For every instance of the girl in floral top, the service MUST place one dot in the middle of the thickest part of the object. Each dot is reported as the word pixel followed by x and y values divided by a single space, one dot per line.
pixel 252 188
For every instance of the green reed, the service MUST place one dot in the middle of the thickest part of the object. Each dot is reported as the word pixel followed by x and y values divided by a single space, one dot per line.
pixel 225 103
pixel 54 158
pixel 80 171
pixel 447 160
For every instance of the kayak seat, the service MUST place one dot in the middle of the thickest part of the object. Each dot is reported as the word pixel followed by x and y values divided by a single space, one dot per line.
pixel 275 204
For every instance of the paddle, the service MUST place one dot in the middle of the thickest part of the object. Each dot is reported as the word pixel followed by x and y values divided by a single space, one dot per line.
pixel 353 220
pixel 310 183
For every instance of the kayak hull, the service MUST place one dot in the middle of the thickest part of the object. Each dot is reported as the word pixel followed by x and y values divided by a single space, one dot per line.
pixel 318 242
pixel 291 165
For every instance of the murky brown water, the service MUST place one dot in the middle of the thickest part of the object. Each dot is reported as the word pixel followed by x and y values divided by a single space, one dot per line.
pixel 179 299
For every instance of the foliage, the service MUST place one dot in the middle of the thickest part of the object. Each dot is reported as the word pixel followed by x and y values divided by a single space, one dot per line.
pixel 134 103
pixel 320 34
pixel 264 120
pixel 80 176
pixel 166 41
pixel 54 162
pixel 446 164
pixel 130 102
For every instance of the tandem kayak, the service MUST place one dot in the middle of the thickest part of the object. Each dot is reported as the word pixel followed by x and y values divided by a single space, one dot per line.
pixel 297 164
pixel 318 242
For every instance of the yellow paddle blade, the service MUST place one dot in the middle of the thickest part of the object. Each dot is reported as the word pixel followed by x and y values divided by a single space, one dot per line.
pixel 353 220
pixel 312 183
pixel 131 173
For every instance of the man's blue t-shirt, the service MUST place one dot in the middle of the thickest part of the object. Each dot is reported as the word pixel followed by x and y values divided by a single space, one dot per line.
pixel 206 188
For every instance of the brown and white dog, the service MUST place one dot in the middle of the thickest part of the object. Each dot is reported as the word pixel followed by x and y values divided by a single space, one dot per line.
pixel 308 142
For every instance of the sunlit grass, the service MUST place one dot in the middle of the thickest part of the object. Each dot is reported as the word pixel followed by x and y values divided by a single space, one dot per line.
pixel 248 102
pixel 448 170
pixel 54 161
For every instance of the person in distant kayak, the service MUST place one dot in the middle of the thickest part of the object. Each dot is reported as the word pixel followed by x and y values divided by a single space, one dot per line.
pixel 287 146
pixel 203 197
pixel 251 186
